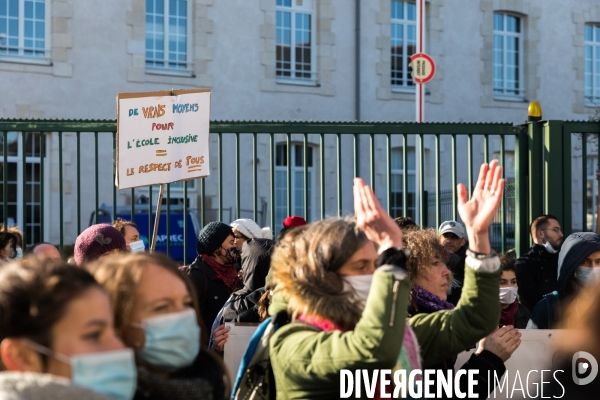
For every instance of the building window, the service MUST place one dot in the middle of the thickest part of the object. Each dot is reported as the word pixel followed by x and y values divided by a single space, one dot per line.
pixel 23 203
pixel 295 41
pixel 296 184
pixel 404 42
pixel 508 55
pixel 396 206
pixel 592 64
pixel 23 28
pixel 168 35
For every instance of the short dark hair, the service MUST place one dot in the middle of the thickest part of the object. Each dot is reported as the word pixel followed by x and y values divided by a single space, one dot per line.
pixel 407 224
pixel 540 223
pixel 120 225
pixel 34 297
pixel 507 261
pixel 6 238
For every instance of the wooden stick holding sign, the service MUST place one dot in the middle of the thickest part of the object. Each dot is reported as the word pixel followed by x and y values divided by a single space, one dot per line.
pixel 162 137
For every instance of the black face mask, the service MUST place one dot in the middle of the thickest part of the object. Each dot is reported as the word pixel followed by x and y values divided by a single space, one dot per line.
pixel 232 255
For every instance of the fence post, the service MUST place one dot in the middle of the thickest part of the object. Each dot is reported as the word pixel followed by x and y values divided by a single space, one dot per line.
pixel 536 169
pixel 521 190
pixel 556 172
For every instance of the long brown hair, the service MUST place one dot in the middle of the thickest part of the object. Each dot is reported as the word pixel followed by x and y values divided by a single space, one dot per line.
pixel 305 264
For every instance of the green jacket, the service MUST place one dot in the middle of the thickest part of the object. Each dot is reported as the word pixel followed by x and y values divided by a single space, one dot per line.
pixel 307 362
pixel 444 334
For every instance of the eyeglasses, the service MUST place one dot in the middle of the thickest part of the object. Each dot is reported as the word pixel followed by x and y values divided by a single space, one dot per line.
pixel 240 237
pixel 557 229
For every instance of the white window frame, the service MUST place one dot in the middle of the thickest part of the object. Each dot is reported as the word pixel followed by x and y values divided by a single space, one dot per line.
pixel 410 172
pixel 406 23
pixel 21 57
pixel 310 182
pixel 298 7
pixel 166 70
pixel 21 200
pixel 520 65
pixel 593 98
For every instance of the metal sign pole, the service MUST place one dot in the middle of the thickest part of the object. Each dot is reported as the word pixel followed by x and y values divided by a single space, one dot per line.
pixel 420 87
pixel 157 218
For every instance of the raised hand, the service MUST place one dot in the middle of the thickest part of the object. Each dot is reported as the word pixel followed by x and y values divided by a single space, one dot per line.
pixel 478 212
pixel 372 219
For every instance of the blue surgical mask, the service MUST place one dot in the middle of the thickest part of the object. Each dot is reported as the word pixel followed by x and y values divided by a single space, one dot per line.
pixel 549 248
pixel 172 340
pixel 19 253
pixel 587 275
pixel 137 246
pixel 111 373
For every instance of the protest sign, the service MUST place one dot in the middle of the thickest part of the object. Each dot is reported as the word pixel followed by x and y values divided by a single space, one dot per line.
pixel 240 334
pixel 162 137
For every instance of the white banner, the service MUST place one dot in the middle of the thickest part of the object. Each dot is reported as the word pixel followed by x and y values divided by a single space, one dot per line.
pixel 162 137
pixel 240 334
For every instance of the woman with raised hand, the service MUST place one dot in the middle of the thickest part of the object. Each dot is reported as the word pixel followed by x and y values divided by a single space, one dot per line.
pixel 57 339
pixel 324 271
pixel 156 315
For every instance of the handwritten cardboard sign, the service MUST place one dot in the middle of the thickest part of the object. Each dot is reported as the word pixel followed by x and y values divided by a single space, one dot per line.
pixel 162 137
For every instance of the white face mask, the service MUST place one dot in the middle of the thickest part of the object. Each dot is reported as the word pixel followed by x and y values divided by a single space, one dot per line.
pixel 508 295
pixel 137 246
pixel 19 253
pixel 549 248
pixel 588 275
pixel 360 285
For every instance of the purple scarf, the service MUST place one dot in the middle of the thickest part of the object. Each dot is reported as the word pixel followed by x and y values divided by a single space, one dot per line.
pixel 428 300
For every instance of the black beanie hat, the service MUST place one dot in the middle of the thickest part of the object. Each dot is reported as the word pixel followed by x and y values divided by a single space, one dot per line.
pixel 212 237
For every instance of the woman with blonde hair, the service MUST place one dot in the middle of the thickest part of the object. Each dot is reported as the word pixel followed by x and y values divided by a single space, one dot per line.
pixel 157 315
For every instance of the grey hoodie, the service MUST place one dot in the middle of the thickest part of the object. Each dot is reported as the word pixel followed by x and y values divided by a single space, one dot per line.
pixel 32 386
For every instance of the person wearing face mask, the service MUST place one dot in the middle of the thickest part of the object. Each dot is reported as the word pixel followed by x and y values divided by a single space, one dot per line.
pixel 537 269
pixel 158 317
pixel 8 247
pixel 214 272
pixel 513 312
pixel 97 241
pixel 131 234
pixel 245 229
pixel 58 341
pixel 578 267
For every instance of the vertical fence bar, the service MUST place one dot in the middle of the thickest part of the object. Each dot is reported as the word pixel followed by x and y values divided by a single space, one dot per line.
pixel 254 178
pixel 305 173
pixel 437 182
pixel 220 174
pixel 454 217
pixel 404 176
pixel 60 189
pixel 388 159
pixel 423 207
pixel 96 193
pixel 355 153
pixel 168 219
pixel 272 186
pixel 237 175
pixel 321 168
pixel 339 173
pixel 42 156
pixel 150 219
pixel 372 155
pixel 78 135
pixel 486 150
pixel 203 201
pixel 24 184
pixel 521 187
pixel 502 203
pixel 289 174
pixel 185 220
pixel 132 204
pixel 584 181
pixel 470 164
pixel 5 183
pixel 114 215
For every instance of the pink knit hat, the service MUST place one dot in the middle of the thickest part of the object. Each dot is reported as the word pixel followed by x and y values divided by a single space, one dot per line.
pixel 96 241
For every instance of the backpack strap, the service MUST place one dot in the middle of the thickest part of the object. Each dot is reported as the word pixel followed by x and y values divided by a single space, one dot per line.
pixel 551 300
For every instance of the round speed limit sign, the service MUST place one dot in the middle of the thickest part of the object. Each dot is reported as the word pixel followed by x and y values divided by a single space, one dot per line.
pixel 423 67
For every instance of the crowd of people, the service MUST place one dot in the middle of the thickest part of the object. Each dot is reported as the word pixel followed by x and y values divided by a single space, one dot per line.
pixel 359 293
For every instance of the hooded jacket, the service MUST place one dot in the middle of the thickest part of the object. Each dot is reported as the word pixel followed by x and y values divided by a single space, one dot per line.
pixel 256 261
pixel 575 249
pixel 32 386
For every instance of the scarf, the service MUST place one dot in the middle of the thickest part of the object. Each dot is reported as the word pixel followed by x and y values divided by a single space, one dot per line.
pixel 409 358
pixel 152 386
pixel 507 315
pixel 428 300
pixel 224 272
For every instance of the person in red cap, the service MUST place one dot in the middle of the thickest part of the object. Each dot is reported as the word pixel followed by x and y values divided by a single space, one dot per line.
pixel 289 223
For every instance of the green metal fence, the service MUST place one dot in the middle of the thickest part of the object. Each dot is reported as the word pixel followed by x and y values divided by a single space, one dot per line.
pixel 413 168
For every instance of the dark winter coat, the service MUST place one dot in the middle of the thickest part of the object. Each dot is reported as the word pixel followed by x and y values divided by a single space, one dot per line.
pixel 256 261
pixel 457 266
pixel 484 363
pixel 522 317
pixel 211 291
pixel 536 273
pixel 575 249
